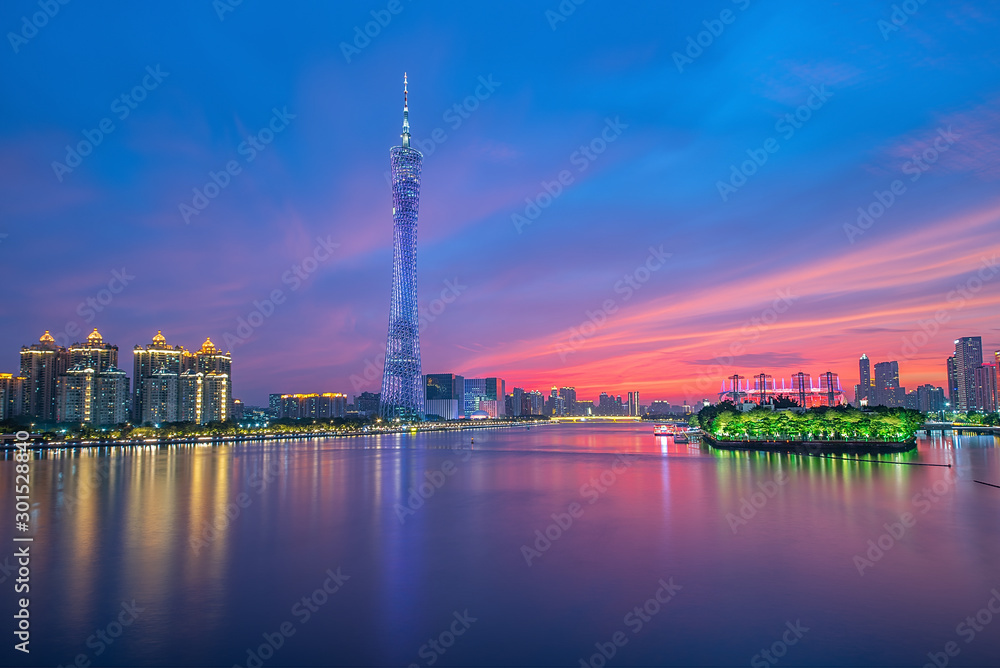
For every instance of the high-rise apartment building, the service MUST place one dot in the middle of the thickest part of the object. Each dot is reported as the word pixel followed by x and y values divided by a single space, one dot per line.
pixel 157 363
pixel 11 395
pixel 968 358
pixel 41 364
pixel 93 389
pixel 313 406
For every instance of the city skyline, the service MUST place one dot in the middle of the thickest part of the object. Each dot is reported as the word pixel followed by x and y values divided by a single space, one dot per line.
pixel 635 271
pixel 151 359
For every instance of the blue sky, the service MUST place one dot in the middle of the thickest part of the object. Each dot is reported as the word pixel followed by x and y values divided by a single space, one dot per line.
pixel 531 297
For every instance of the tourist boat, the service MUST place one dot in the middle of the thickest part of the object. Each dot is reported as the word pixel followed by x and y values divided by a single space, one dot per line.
pixel 681 437
pixel 664 429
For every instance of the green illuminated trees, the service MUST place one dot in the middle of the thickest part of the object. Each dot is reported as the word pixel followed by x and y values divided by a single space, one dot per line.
pixel 725 421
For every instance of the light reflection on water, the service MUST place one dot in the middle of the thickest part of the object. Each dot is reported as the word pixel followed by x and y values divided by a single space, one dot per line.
pixel 114 525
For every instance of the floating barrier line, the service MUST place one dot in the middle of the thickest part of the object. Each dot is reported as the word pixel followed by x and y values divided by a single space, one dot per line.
pixel 881 461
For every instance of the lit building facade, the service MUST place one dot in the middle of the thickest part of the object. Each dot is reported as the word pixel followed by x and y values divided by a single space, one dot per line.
pixel 634 407
pixel 968 358
pixel 886 390
pixel 157 363
pixel 952 382
pixel 444 395
pixel 41 365
pixel 986 388
pixel 314 406
pixel 862 391
pixel 479 391
pixel 93 390
pixel 11 396
pixel 402 395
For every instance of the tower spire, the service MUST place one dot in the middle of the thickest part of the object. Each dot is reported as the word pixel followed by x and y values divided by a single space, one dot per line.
pixel 406 115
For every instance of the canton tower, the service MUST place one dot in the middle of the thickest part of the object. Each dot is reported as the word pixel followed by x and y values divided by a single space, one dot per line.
pixel 402 392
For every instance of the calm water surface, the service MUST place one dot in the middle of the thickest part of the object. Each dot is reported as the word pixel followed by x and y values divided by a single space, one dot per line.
pixel 217 546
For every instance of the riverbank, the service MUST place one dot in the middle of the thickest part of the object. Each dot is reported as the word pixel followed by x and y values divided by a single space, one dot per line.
pixel 37 443
pixel 815 447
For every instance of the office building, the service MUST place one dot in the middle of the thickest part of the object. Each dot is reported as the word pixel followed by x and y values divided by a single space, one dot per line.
pixel 986 388
pixel 444 395
pixel 569 398
pixel 274 405
pixel 367 404
pixel 862 392
pixel 485 394
pixel 633 403
pixel 968 358
pixel 952 383
pixel 886 390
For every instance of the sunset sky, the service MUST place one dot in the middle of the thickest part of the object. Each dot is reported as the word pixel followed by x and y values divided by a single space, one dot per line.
pixel 519 289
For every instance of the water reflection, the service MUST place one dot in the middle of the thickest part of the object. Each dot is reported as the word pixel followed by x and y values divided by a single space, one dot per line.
pixel 219 542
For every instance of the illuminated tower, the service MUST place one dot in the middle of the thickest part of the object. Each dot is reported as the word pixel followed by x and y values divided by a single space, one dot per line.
pixel 402 391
